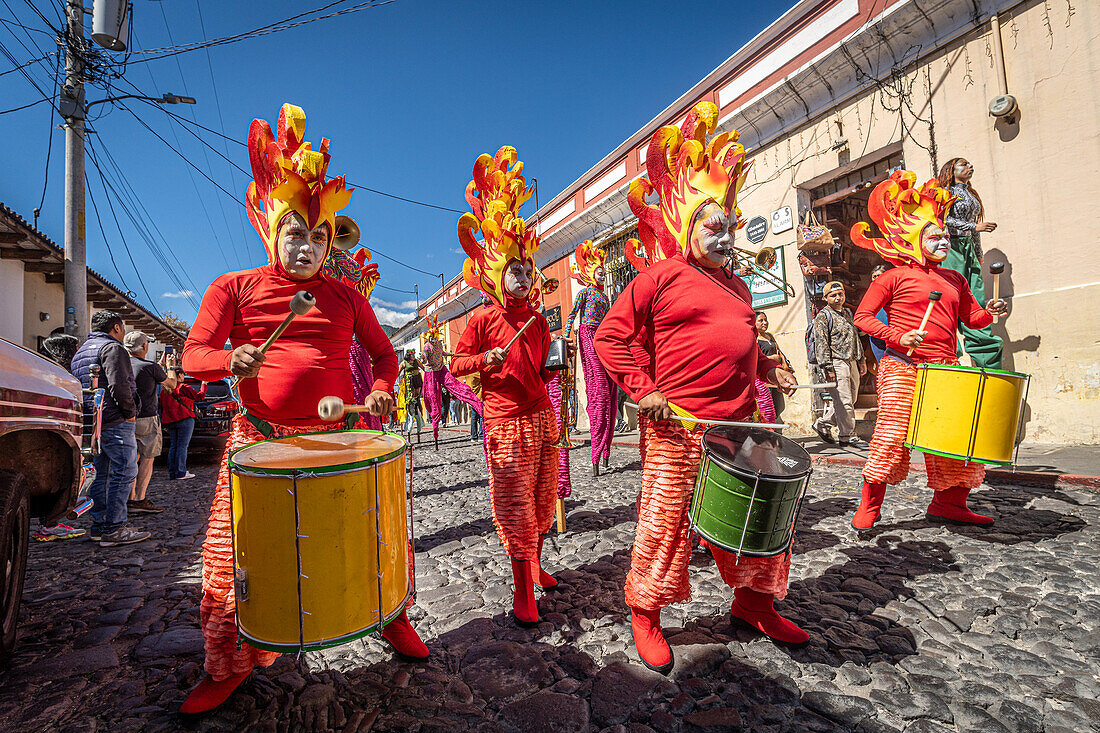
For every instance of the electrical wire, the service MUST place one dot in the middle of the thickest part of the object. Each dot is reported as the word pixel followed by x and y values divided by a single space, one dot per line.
pixel 121 236
pixel 25 64
pixel 23 107
pixel 49 145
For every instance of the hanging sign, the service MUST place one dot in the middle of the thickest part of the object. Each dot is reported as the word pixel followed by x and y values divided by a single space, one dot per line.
pixel 553 317
pixel 782 220
pixel 756 229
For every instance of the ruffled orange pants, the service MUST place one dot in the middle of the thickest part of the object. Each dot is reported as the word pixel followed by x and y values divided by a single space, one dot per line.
pixel 218 611
pixel 662 548
pixel 523 480
pixel 888 459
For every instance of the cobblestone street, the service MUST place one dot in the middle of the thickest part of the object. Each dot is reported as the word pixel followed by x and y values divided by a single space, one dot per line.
pixel 918 627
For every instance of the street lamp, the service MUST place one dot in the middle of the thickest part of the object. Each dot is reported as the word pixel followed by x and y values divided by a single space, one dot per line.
pixel 166 98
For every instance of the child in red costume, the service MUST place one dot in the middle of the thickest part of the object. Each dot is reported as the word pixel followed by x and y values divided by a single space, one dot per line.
pixel 911 221
pixel 294 211
pixel 695 321
pixel 520 426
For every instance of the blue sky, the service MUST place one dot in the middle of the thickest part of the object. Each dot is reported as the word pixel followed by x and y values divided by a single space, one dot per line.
pixel 410 94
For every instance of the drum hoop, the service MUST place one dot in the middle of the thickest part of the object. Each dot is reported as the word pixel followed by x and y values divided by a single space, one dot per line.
pixel 327 643
pixel 316 470
pixel 973 370
pixel 752 475
pixel 956 456
pixel 733 550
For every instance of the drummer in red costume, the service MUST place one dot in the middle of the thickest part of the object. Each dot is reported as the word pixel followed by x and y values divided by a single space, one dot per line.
pixel 695 320
pixel 911 221
pixel 520 426
pixel 294 210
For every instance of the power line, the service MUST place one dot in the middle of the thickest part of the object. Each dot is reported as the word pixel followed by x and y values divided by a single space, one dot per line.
pixel 110 251
pixel 49 146
pixel 403 264
pixel 38 60
pixel 23 107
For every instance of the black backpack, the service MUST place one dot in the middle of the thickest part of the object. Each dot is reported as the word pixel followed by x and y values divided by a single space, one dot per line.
pixel 811 342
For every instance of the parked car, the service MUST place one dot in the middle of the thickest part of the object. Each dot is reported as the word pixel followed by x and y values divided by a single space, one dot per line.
pixel 213 415
pixel 41 467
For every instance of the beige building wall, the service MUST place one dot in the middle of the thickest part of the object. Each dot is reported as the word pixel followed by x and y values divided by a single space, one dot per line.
pixel 41 297
pixel 1035 177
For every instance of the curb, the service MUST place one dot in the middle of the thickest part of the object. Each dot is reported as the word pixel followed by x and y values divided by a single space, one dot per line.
pixel 992 475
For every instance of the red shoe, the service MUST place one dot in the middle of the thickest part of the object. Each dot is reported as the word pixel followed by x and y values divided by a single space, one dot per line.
pixel 523 600
pixel 649 641
pixel 868 511
pixel 757 611
pixel 950 505
pixel 404 639
pixel 543 579
pixel 210 693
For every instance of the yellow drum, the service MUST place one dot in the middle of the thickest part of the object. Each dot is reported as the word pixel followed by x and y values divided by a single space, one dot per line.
pixel 320 538
pixel 966 413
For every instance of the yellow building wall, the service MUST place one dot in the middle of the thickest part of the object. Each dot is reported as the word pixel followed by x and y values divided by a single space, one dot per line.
pixel 1036 179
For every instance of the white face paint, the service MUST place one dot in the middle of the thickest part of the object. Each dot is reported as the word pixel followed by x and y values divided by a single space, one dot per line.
pixel 517 279
pixel 301 250
pixel 599 275
pixel 935 243
pixel 712 236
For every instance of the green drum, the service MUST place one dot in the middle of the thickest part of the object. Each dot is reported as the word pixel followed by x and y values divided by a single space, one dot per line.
pixel 749 490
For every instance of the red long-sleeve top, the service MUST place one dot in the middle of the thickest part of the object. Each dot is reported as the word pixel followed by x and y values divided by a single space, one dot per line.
pixel 903 292
pixel 699 331
pixel 517 387
pixel 308 362
pixel 179 404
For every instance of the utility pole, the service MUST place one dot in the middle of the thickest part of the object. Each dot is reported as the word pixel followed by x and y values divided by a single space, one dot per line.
pixel 76 273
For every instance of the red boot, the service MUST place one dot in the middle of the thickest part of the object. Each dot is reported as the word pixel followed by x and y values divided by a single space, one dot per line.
pixel 523 600
pixel 869 507
pixel 404 639
pixel 649 641
pixel 950 505
pixel 543 579
pixel 757 611
pixel 210 693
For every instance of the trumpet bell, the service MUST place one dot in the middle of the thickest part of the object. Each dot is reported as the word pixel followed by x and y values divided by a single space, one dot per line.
pixel 347 233
pixel 766 258
pixel 549 285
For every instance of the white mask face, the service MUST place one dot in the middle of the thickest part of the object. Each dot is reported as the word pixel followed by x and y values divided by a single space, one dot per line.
pixel 301 250
pixel 712 236
pixel 517 279
pixel 599 275
pixel 935 243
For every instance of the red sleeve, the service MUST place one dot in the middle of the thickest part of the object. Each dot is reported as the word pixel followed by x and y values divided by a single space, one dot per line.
pixel 874 300
pixel 620 329
pixel 764 365
pixel 190 392
pixel 203 355
pixel 378 346
pixel 971 313
pixel 469 355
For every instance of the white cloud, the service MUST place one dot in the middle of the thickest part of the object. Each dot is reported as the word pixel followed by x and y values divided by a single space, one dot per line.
pixel 405 305
pixel 458 251
pixel 179 294
pixel 391 317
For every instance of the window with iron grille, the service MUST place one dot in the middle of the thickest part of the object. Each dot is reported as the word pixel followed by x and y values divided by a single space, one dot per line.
pixel 619 271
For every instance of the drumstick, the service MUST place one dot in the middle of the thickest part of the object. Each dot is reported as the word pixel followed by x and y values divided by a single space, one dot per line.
pixel 518 334
pixel 302 302
pixel 333 408
pixel 823 385
pixel 686 417
pixel 559 509
pixel 932 298
pixel 995 269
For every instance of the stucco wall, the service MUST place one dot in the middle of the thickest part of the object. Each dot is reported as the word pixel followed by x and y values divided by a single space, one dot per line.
pixel 41 297
pixel 11 300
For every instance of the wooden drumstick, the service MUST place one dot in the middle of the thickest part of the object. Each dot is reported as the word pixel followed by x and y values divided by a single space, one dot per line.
pixel 302 303
pixel 559 509
pixel 932 298
pixel 995 269
pixel 518 334
pixel 333 408
pixel 823 385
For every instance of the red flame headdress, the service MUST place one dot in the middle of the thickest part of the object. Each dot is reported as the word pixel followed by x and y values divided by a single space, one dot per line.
pixel 586 258
pixel 687 173
pixel 290 176
pixel 496 194
pixel 434 329
pixel 902 212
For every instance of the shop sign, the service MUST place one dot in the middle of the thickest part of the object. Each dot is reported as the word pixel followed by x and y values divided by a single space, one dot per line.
pixel 765 293
pixel 553 317
pixel 756 229
pixel 782 220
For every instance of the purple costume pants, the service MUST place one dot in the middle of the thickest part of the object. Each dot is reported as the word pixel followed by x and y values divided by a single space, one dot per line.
pixel 433 395
pixel 362 379
pixel 565 486
pixel 601 393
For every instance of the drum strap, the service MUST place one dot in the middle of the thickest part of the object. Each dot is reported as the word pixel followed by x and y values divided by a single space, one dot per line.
pixel 267 431
pixel 899 356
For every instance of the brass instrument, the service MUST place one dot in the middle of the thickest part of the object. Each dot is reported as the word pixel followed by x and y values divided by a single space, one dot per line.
pixel 759 263
pixel 347 233
pixel 549 284
pixel 567 415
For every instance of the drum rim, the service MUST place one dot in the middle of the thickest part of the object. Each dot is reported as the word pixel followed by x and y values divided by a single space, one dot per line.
pixel 318 470
pixel 308 646
pixel 956 456
pixel 973 370
pixel 745 472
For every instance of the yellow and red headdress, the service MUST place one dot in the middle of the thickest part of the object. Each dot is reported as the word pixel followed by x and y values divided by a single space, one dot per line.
pixel 586 258
pixel 496 194
pixel 290 176
pixel 902 212
pixel 687 173
pixel 434 329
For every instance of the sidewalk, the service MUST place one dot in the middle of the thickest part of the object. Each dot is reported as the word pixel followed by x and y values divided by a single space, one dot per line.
pixel 1041 464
